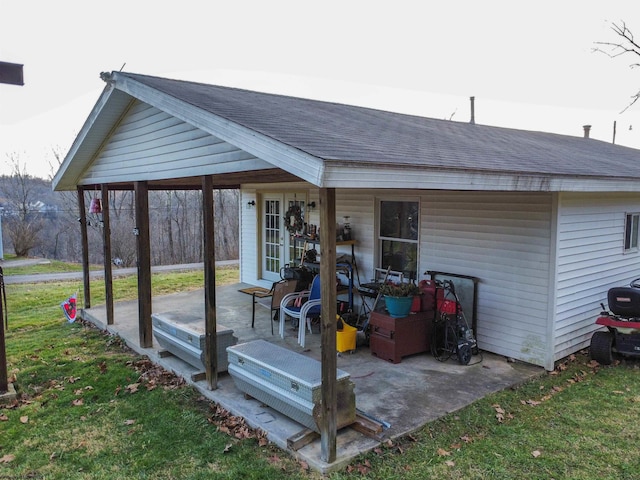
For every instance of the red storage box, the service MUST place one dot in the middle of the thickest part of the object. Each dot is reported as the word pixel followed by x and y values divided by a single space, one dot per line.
pixel 393 338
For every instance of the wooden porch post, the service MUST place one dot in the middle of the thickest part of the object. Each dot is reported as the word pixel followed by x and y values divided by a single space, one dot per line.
pixel 328 421
pixel 143 246
pixel 106 244
pixel 211 336
pixel 85 247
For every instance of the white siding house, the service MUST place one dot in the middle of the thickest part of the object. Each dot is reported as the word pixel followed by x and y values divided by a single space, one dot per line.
pixel 539 219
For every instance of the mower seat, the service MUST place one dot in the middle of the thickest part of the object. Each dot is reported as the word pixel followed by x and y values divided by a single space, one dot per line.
pixel 624 301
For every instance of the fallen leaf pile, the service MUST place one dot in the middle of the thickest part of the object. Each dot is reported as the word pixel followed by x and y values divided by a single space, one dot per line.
pixel 152 375
pixel 235 426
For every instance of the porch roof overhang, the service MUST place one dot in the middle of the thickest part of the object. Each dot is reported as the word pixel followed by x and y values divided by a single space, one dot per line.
pixel 277 163
pixel 339 146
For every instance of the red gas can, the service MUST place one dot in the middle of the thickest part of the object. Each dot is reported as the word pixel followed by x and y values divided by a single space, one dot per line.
pixel 428 293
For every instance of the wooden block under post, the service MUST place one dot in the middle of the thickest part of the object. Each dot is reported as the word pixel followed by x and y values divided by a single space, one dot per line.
pixel 302 438
pixel 196 377
pixel 367 426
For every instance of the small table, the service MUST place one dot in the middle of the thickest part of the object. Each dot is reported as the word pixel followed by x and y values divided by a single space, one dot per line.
pixel 256 292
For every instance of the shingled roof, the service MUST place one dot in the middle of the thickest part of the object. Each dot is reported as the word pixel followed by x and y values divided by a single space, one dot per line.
pixel 336 145
pixel 345 133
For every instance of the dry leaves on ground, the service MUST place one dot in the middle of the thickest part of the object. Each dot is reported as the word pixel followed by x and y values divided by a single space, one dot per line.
pixel 501 415
pixel 132 387
pixel 235 426
pixel 152 375
pixel 362 468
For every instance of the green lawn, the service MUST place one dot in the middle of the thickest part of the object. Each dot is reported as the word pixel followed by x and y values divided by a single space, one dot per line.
pixel 90 408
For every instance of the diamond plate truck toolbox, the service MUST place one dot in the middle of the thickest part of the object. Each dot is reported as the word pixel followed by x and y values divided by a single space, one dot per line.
pixel 183 336
pixel 288 382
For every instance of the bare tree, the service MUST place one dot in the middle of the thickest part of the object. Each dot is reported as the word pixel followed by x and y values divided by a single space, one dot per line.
pixel 227 223
pixel 626 45
pixel 23 222
pixel 122 220
pixel 63 229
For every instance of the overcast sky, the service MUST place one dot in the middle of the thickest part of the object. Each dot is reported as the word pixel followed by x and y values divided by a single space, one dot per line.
pixel 530 65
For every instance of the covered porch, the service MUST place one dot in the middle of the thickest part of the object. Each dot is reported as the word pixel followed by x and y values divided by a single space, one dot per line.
pixel 403 396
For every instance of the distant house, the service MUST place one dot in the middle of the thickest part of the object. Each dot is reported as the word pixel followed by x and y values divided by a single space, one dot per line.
pixel 546 223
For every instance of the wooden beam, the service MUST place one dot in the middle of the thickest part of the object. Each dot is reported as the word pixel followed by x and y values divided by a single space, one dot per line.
pixel 221 181
pixel 211 336
pixel 4 375
pixel 85 247
pixel 328 422
pixel 106 244
pixel 143 246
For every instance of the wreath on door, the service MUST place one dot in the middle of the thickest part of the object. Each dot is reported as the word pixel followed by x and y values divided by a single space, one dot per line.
pixel 293 219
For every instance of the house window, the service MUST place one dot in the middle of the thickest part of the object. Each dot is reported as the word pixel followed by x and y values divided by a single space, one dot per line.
pixel 631 232
pixel 398 236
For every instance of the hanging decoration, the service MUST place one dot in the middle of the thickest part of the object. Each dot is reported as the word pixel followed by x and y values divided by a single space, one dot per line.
pixel 95 210
pixel 96 206
pixel 293 221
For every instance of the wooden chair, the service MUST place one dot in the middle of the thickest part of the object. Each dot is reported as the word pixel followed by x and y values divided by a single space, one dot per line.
pixel 278 291
pixel 304 312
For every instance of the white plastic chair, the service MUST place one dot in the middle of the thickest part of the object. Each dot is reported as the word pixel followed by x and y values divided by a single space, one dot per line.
pixel 305 312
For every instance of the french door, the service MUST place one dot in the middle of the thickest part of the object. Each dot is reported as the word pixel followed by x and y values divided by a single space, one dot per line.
pixel 277 250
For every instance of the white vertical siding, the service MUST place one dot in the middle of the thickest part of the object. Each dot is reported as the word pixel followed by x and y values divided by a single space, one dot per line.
pixel 590 261
pixel 150 144
pixel 359 205
pixel 249 254
pixel 503 239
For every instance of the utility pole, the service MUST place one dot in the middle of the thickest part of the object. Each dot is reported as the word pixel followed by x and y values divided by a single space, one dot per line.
pixel 10 73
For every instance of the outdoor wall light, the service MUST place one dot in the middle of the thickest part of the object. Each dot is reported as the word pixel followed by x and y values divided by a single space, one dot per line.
pixel 252 203
pixel 311 205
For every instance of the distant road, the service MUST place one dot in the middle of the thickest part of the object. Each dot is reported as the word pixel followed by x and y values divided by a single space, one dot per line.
pixel 117 272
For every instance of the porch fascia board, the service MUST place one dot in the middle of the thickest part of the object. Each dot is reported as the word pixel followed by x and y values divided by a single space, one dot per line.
pixel 385 176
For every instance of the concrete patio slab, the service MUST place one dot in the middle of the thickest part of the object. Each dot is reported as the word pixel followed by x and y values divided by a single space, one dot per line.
pixel 404 396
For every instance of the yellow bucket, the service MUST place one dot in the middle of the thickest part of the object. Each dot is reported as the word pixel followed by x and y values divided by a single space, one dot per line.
pixel 346 338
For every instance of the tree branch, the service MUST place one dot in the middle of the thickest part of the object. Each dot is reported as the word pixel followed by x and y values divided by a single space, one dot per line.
pixel 626 45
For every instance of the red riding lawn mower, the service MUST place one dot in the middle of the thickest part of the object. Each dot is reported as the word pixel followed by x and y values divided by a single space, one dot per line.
pixel 622 322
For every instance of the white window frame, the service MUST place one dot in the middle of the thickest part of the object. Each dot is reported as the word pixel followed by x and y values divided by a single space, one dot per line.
pixel 379 239
pixel 631 232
